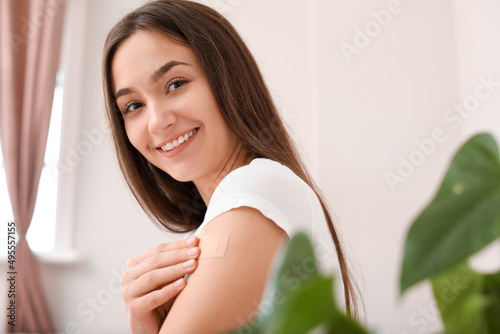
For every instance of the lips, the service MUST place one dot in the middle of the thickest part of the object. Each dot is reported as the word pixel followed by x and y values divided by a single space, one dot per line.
pixel 177 140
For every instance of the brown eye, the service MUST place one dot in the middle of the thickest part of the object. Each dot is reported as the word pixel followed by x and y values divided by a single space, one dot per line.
pixel 175 84
pixel 132 107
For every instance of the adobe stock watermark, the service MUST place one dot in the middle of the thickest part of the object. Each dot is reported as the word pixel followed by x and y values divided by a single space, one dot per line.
pixel 88 309
pixel 453 118
pixel 425 315
pixel 363 37
pixel 31 26
pixel 73 156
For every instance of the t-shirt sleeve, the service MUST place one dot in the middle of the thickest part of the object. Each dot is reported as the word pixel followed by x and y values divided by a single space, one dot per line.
pixel 273 189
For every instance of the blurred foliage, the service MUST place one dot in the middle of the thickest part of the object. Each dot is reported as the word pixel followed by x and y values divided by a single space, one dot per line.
pixel 463 218
pixel 299 299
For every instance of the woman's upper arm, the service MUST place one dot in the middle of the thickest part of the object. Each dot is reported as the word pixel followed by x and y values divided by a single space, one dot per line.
pixel 223 293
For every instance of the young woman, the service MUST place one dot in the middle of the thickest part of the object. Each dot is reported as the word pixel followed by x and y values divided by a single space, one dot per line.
pixel 204 150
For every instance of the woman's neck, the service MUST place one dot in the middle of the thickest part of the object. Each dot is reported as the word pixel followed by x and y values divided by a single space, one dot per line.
pixel 239 157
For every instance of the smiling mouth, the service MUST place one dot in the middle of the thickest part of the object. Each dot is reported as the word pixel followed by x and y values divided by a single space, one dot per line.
pixel 179 141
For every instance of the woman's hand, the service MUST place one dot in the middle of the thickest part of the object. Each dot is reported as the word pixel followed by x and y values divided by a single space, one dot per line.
pixel 154 279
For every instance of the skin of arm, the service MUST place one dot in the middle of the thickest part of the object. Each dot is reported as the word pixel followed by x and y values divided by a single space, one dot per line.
pixel 223 293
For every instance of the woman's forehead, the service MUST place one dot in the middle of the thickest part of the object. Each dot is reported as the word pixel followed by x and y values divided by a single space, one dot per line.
pixel 144 53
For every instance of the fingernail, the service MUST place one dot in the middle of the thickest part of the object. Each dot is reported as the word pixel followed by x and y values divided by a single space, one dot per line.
pixel 191 241
pixel 179 282
pixel 188 264
pixel 191 251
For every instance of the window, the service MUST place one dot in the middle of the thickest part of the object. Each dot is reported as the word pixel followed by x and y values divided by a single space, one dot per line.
pixel 52 226
pixel 41 234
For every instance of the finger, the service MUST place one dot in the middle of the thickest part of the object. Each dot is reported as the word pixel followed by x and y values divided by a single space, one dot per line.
pixel 165 247
pixel 162 260
pixel 156 279
pixel 157 298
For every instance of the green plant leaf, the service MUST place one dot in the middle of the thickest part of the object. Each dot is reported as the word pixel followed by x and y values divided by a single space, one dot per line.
pixel 297 272
pixel 312 305
pixel 469 301
pixel 491 289
pixel 463 217
pixel 456 293
pixel 308 307
pixel 298 299
pixel 341 323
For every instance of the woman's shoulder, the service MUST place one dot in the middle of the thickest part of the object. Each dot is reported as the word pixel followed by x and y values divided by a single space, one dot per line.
pixel 271 188
pixel 262 176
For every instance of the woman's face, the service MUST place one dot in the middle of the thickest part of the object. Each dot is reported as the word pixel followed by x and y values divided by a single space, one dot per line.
pixel 170 114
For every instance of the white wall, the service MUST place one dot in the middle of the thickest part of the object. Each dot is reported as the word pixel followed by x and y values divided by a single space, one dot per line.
pixel 353 121
pixel 373 106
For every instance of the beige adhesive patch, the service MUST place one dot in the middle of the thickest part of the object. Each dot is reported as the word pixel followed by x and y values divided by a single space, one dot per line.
pixel 213 245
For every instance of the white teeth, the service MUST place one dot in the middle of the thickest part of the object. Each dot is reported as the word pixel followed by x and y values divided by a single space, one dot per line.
pixel 178 141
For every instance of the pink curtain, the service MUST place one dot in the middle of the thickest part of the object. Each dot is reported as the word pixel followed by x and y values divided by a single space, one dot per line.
pixel 30 39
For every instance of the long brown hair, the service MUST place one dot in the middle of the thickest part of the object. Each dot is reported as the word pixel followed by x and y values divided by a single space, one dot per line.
pixel 242 97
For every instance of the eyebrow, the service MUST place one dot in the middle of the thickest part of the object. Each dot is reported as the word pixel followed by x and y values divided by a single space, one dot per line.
pixel 155 77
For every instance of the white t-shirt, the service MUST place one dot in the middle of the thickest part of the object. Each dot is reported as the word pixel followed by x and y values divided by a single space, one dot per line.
pixel 280 195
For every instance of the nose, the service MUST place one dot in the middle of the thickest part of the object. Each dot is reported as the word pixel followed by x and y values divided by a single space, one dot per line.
pixel 160 118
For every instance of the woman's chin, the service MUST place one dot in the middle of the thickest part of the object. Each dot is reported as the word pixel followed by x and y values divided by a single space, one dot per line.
pixel 181 176
pixel 182 179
